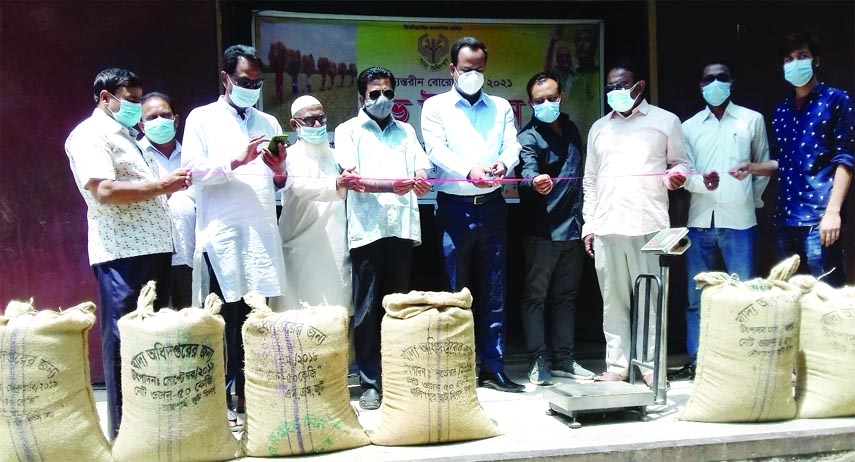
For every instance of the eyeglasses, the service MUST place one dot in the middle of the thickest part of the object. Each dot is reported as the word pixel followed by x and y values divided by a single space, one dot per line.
pixel 388 93
pixel 721 77
pixel 310 121
pixel 244 82
pixel 618 86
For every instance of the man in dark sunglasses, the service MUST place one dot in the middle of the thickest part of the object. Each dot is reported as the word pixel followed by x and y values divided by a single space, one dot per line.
pixel 383 222
pixel 722 138
pixel 226 142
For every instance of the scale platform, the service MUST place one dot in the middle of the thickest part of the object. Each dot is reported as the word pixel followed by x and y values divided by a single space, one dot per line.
pixel 571 399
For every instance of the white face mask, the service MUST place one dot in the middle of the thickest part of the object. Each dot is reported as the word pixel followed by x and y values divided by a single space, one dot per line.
pixel 621 100
pixel 798 72
pixel 715 93
pixel 470 82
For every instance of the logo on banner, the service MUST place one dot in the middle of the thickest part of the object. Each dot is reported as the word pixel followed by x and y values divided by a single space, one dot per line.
pixel 434 52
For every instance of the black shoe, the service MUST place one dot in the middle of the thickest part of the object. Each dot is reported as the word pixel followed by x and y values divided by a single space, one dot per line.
pixel 498 381
pixel 686 373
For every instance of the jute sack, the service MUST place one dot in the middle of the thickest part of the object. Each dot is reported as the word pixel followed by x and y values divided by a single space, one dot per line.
pixel 297 400
pixel 748 342
pixel 47 411
pixel 826 361
pixel 173 384
pixel 428 364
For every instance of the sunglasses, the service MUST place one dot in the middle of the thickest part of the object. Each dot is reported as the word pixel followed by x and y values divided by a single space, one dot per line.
pixel 721 77
pixel 310 121
pixel 618 86
pixel 244 82
pixel 388 93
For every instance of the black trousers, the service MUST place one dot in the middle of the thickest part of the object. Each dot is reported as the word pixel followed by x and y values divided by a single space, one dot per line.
pixel 553 271
pixel 379 268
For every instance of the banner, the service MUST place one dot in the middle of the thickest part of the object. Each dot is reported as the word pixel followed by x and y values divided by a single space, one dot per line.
pixel 322 55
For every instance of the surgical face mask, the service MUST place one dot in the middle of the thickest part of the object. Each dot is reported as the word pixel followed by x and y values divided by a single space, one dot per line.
pixel 379 108
pixel 715 93
pixel 470 82
pixel 244 97
pixel 798 72
pixel 547 111
pixel 621 100
pixel 129 113
pixel 159 130
pixel 313 135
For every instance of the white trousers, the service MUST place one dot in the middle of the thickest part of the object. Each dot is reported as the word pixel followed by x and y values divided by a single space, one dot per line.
pixel 618 261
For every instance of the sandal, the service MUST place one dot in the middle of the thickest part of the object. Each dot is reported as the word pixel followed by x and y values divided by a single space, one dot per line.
pixel 648 380
pixel 235 422
pixel 370 399
pixel 610 377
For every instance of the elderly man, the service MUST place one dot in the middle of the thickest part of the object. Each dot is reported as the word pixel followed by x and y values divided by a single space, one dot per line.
pixel 313 221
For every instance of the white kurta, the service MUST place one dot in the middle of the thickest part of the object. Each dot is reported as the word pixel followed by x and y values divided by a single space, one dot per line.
pixel 236 209
pixel 313 227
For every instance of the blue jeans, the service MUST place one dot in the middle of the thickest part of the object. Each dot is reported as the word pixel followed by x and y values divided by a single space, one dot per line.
pixel 736 247
pixel 815 259
pixel 473 238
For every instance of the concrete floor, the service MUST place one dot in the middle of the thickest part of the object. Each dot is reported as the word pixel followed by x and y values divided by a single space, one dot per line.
pixel 530 434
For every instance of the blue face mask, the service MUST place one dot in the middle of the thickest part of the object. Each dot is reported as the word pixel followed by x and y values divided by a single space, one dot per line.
pixel 715 93
pixel 244 97
pixel 547 111
pixel 798 72
pixel 159 130
pixel 621 100
pixel 313 135
pixel 129 113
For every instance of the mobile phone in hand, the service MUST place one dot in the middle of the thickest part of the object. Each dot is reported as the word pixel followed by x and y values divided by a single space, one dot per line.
pixel 273 146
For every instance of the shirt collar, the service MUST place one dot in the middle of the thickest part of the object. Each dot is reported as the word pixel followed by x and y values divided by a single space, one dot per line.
pixel 729 110
pixel 817 90
pixel 643 108
pixel 365 119
pixel 147 146
pixel 108 123
pixel 231 110
pixel 460 98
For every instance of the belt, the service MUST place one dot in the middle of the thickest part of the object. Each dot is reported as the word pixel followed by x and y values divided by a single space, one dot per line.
pixel 474 200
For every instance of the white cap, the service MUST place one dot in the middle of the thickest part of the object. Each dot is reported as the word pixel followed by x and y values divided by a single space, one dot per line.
pixel 302 103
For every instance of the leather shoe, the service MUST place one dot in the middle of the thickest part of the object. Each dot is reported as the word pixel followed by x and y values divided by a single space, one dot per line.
pixel 498 381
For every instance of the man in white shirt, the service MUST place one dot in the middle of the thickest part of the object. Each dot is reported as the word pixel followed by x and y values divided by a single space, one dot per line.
pixel 383 222
pixel 159 122
pixel 130 235
pixel 636 153
pixel 471 138
pixel 723 137
pixel 225 145
pixel 313 219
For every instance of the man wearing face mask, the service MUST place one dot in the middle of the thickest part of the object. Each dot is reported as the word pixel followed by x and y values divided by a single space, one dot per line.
pixel 238 249
pixel 552 227
pixel 313 220
pixel 383 223
pixel 815 147
pixel 721 138
pixel 159 123
pixel 117 180
pixel 636 154
pixel 471 139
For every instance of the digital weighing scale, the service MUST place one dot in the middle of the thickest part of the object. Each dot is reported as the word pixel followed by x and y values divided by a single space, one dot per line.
pixel 571 399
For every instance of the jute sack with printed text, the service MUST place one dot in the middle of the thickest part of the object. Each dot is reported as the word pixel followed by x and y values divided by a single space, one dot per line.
pixel 297 401
pixel 826 362
pixel 47 411
pixel 748 340
pixel 428 363
pixel 173 384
